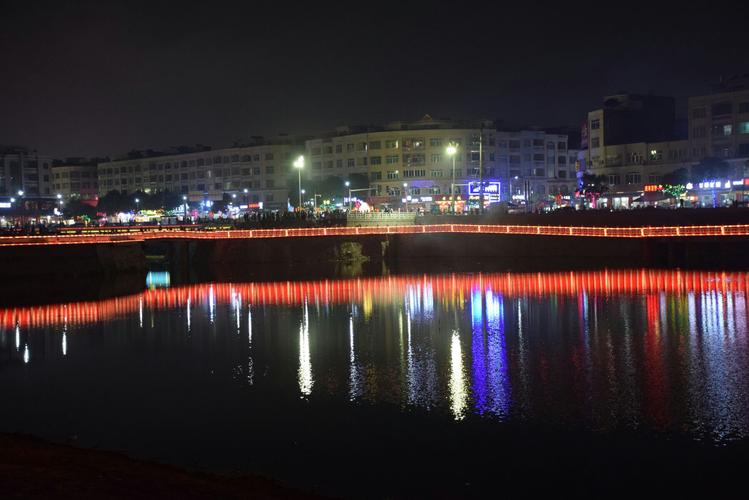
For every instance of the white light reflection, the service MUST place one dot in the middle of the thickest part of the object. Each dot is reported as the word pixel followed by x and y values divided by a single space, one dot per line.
pixel 305 361
pixel 237 302
pixel 354 382
pixel 410 375
pixel 250 362
pixel 140 311
pixel 18 337
pixel 26 354
pixel 211 304
pixel 65 334
pixel 458 392
pixel 188 314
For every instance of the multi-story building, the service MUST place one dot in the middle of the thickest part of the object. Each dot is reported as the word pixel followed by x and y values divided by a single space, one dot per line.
pixel 254 173
pixel 719 123
pixel 633 141
pixel 76 179
pixel 410 158
pixel 643 162
pixel 627 119
pixel 24 170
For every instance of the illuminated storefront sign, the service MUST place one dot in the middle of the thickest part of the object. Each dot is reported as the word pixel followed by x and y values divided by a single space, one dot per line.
pixel 652 188
pixel 714 185
pixel 492 190
pixel 489 188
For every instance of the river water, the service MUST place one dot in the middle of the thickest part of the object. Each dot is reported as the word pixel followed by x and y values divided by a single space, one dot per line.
pixel 452 384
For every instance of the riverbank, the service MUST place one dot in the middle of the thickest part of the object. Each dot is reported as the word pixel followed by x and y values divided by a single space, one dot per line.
pixel 34 468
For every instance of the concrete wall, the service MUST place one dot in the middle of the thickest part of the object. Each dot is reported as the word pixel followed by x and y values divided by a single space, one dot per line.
pixel 424 251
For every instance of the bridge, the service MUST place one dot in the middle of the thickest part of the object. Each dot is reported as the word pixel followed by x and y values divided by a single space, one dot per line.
pixel 140 234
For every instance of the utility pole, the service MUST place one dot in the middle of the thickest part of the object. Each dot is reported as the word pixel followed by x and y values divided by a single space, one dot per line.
pixel 481 168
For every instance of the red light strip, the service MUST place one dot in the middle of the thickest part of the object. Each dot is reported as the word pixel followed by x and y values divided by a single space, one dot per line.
pixel 181 233
pixel 382 291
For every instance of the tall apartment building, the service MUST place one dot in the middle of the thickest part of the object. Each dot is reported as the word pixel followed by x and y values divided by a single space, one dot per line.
pixel 262 169
pixel 414 153
pixel 719 123
pixel 76 179
pixel 24 170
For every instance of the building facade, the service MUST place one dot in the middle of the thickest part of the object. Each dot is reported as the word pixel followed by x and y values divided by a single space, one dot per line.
pixel 719 123
pixel 256 173
pixel 75 181
pixel 410 159
pixel 627 119
pixel 26 171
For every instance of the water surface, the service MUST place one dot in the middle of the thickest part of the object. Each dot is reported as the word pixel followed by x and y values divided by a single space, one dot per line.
pixel 439 383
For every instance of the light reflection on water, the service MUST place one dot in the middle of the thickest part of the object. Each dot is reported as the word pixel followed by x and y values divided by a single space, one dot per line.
pixel 637 349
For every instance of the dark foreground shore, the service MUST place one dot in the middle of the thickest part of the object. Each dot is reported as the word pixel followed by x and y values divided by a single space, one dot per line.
pixel 33 468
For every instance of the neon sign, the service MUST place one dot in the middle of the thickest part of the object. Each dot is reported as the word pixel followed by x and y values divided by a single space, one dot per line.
pixel 490 188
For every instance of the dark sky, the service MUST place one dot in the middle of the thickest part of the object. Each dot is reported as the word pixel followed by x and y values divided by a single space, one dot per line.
pixel 101 78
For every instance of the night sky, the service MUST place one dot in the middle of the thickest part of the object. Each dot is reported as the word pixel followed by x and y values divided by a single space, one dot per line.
pixel 83 79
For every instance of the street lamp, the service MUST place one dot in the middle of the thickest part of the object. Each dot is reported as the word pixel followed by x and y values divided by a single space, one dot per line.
pixel 348 185
pixel 299 165
pixel 20 192
pixel 184 200
pixel 452 149
pixel 137 204
pixel 59 196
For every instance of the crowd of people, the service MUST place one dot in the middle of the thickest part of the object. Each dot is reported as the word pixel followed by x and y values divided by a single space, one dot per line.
pixel 255 220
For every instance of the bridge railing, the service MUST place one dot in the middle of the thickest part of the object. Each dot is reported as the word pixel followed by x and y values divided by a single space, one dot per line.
pixel 215 234
pixel 380 218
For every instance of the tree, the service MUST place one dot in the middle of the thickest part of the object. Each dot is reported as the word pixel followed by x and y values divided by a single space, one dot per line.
pixel 711 168
pixel 171 200
pixel 75 208
pixel 594 185
pixel 358 181
pixel 114 202
pixel 677 177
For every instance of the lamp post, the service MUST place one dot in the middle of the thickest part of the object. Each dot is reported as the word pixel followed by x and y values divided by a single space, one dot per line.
pixel 512 187
pixel 348 185
pixel 315 200
pixel 452 149
pixel 302 192
pixel 184 202
pixel 137 203
pixel 299 165
pixel 246 197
